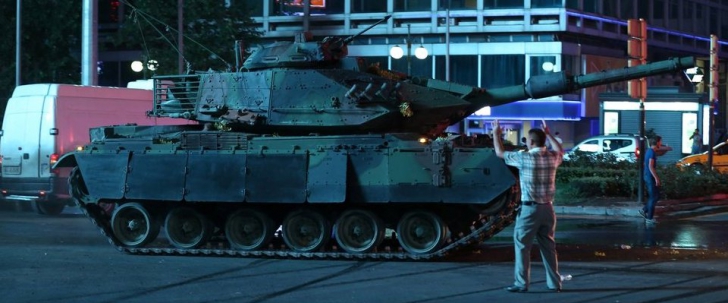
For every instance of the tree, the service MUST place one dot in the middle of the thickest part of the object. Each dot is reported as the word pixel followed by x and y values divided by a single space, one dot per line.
pixel 210 29
pixel 50 39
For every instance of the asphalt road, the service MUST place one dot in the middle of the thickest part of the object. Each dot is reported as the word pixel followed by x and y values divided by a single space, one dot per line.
pixel 65 259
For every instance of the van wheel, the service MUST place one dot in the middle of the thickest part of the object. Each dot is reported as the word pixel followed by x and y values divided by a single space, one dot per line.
pixel 50 208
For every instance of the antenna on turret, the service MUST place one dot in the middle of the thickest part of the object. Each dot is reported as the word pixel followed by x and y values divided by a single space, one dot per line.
pixel 348 40
pixel 337 46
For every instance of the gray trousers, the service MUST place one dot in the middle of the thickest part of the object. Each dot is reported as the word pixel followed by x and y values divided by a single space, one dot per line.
pixel 536 221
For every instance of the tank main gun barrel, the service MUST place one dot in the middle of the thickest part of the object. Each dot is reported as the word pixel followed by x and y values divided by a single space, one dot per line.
pixel 561 83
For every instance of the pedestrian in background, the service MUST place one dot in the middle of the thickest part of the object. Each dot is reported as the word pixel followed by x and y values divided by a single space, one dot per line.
pixel 652 180
pixel 697 142
pixel 536 217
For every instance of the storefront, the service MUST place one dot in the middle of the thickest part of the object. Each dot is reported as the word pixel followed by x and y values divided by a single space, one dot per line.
pixel 669 112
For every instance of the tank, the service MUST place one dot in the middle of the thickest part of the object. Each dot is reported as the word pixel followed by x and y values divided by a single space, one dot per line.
pixel 304 152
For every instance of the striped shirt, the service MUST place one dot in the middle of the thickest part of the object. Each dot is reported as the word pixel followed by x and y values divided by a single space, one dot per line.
pixel 537 172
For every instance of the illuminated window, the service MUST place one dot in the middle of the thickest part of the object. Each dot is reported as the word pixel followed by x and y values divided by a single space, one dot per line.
pixel 689 124
pixel 611 123
pixel 411 5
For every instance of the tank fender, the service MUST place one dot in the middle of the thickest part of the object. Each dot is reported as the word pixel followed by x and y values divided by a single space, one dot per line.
pixel 104 173
pixel 67 160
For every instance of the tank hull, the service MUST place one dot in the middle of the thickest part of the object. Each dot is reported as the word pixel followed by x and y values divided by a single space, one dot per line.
pixel 390 186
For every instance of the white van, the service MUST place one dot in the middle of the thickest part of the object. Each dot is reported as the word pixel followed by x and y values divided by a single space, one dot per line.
pixel 44 121
pixel 625 147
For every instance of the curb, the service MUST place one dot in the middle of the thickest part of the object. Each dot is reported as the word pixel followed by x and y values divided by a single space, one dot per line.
pixel 676 208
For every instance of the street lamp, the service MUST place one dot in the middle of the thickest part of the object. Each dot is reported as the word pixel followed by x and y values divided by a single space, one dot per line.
pixel 138 66
pixel 420 53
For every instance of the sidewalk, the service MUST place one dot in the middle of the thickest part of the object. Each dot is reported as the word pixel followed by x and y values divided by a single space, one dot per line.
pixel 667 209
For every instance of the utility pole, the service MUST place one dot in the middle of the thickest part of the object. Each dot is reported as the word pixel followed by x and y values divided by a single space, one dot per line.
pixel 713 95
pixel 89 43
pixel 18 17
pixel 637 88
pixel 180 36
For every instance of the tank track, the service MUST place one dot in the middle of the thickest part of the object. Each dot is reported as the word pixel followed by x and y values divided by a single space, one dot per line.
pixel 489 226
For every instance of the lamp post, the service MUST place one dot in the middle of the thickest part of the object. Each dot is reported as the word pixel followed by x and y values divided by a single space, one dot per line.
pixel 420 53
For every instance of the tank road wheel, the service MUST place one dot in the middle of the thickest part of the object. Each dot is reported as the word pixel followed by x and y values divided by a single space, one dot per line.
pixel 359 231
pixel 133 225
pixel 187 228
pixel 248 229
pixel 421 232
pixel 306 231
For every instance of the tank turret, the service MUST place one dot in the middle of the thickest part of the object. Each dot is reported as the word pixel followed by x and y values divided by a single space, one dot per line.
pixel 301 88
pixel 302 53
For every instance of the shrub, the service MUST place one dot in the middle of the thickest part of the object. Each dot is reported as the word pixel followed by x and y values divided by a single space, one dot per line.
pixel 579 179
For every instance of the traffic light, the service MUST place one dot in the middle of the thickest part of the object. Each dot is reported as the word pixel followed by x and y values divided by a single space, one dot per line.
pixel 637 51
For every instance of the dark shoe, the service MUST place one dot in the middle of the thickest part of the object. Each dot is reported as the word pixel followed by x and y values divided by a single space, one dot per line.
pixel 515 288
pixel 555 289
pixel 642 213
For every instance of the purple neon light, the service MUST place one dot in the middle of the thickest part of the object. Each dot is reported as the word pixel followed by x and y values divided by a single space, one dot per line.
pixel 619 22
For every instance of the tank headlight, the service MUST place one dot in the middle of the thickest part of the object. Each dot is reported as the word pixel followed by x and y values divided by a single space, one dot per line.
pixel 423 140
pixel 79 148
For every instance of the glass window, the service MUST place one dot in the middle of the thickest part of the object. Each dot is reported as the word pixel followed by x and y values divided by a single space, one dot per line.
pixel 573 4
pixel 368 6
pixel 626 9
pixel 458 4
pixel 674 10
pixel 659 9
pixel 591 6
pixel 503 4
pixel 503 70
pixel 108 12
pixel 411 5
pixel 698 11
pixel 571 64
pixel 611 145
pixel 420 67
pixel 256 7
pixel 591 146
pixel 109 73
pixel 609 8
pixel 545 3
pixel 295 7
pixel 541 65
pixel 643 9
pixel 463 69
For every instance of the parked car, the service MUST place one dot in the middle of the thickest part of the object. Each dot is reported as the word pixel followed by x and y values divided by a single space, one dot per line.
pixel 720 158
pixel 624 146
